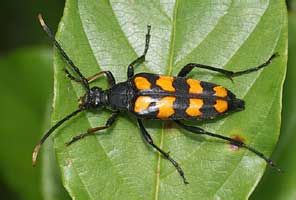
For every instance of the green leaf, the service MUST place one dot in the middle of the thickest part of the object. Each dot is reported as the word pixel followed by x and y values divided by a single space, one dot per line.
pixel 283 185
pixel 116 164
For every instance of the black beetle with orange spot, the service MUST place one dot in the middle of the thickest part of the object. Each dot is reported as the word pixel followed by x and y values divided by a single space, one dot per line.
pixel 152 96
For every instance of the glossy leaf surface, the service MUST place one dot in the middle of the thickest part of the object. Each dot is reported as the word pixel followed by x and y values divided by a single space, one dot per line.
pixel 108 35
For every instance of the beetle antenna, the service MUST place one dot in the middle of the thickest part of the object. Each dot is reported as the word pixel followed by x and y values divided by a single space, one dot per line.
pixel 59 123
pixel 62 52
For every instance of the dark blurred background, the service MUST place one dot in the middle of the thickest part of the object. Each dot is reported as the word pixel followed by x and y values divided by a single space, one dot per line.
pixel 19 24
pixel 26 92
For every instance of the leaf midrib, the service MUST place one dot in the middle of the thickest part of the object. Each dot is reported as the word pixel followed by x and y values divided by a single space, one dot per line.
pixel 169 71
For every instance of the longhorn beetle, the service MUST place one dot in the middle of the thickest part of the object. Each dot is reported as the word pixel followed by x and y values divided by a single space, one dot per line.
pixel 152 96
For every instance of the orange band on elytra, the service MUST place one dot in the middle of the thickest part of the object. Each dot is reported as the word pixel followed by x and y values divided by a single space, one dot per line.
pixel 193 109
pixel 166 83
pixel 194 86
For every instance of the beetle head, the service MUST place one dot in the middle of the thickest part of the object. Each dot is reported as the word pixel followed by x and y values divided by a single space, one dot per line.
pixel 92 99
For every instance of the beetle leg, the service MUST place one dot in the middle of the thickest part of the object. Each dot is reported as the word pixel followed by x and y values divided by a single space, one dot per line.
pixel 94 77
pixel 187 68
pixel 148 139
pixel 91 131
pixel 237 143
pixel 139 60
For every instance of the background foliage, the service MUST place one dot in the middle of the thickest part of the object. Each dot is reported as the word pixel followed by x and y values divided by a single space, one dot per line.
pixel 31 71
